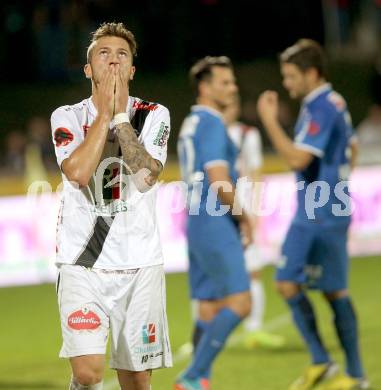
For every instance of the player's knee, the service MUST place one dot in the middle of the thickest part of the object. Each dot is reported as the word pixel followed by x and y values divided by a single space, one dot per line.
pixel 87 376
pixel 331 296
pixel 241 304
pixel 287 289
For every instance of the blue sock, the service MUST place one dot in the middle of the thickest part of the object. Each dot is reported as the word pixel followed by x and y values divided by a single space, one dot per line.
pixel 198 331
pixel 212 342
pixel 304 318
pixel 346 327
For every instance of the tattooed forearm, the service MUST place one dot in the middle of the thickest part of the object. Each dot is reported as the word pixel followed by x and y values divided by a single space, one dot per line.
pixel 135 155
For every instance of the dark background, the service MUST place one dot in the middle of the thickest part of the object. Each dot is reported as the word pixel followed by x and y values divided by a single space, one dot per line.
pixel 44 44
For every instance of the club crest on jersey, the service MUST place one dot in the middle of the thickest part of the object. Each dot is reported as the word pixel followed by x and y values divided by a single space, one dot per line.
pixel 149 333
pixel 83 319
pixel 313 128
pixel 62 137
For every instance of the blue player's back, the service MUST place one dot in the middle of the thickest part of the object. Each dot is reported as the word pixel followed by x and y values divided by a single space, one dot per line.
pixel 324 128
pixel 203 143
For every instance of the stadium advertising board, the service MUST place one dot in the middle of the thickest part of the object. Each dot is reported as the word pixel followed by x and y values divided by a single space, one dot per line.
pixel 28 226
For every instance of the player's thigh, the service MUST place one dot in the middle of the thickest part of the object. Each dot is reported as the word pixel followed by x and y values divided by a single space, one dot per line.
pixel 329 264
pixel 139 329
pixel 84 318
pixel 296 250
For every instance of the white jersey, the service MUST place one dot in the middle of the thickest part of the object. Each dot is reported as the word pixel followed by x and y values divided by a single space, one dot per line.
pixel 248 141
pixel 109 224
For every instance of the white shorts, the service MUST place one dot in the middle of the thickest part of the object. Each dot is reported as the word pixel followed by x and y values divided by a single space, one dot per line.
pixel 254 260
pixel 130 303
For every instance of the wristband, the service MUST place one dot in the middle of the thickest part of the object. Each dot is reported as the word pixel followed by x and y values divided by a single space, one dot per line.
pixel 120 118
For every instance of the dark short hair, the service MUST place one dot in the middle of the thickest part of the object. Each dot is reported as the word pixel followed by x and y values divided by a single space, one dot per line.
pixel 112 30
pixel 202 69
pixel 305 54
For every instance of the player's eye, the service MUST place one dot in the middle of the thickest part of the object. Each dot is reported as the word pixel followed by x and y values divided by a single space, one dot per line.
pixel 103 53
pixel 123 54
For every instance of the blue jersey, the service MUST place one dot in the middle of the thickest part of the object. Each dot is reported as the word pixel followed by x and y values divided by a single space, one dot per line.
pixel 324 129
pixel 204 142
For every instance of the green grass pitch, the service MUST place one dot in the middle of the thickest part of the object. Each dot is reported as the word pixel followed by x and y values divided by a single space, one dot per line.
pixel 30 338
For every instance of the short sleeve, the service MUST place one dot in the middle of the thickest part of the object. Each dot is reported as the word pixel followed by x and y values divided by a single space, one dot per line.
pixel 157 138
pixel 316 131
pixel 251 152
pixel 213 142
pixel 64 133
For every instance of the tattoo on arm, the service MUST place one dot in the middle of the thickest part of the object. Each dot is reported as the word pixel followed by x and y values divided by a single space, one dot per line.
pixel 135 155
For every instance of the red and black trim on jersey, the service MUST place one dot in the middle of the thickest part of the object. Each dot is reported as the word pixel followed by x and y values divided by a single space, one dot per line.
pixel 93 249
pixel 141 113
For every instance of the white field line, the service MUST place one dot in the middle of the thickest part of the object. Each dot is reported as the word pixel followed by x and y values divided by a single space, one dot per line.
pixel 184 351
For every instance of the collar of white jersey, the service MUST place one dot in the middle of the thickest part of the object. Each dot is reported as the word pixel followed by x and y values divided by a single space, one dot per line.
pixel 316 92
pixel 201 107
pixel 94 111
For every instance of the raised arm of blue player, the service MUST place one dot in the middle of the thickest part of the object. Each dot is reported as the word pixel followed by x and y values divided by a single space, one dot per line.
pixel 267 106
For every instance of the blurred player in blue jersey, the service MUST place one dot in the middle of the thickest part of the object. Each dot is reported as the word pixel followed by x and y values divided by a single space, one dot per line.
pixel 216 223
pixel 248 141
pixel 314 253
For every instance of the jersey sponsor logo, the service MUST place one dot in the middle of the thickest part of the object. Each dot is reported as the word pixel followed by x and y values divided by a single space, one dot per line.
pixel 145 106
pixel 162 136
pixel 149 333
pixel 313 128
pixel 62 137
pixel 83 319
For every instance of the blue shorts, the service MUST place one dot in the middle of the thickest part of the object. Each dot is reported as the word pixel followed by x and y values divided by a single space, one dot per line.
pixel 315 256
pixel 216 261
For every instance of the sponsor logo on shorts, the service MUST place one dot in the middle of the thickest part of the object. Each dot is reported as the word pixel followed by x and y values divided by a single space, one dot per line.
pixel 148 349
pixel 149 333
pixel 313 271
pixel 145 358
pixel 83 319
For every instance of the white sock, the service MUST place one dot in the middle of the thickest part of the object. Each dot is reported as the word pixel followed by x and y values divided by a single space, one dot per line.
pixel 74 385
pixel 255 319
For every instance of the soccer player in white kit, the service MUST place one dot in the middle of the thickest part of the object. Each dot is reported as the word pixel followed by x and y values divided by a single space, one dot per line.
pixel 249 143
pixel 111 149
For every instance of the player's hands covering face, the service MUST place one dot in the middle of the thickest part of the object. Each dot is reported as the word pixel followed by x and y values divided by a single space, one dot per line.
pixel 106 92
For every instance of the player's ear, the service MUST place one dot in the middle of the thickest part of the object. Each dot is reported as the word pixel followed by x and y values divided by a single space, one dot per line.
pixel 88 71
pixel 132 72
pixel 312 74
pixel 203 88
